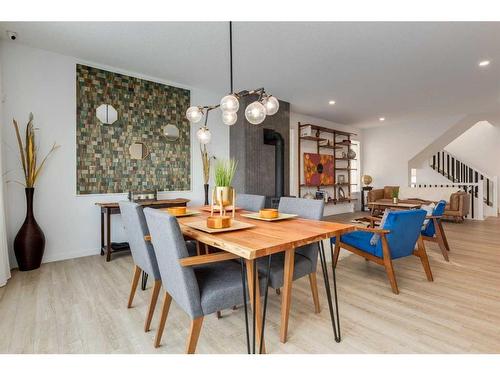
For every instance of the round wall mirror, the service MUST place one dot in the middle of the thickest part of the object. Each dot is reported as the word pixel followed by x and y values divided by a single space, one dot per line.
pixel 138 151
pixel 171 132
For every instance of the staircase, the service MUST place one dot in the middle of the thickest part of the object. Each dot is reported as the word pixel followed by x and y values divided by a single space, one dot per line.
pixel 482 187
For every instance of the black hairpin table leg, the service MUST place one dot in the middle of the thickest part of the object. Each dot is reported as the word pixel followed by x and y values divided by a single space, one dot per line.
pixel 335 293
pixel 324 267
pixel 144 281
pixel 244 285
pixel 251 349
pixel 268 271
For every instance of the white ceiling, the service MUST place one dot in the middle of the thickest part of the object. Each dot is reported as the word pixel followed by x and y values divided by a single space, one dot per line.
pixel 395 70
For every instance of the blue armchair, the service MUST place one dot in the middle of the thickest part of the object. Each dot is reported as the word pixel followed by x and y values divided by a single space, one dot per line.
pixel 397 239
pixel 433 230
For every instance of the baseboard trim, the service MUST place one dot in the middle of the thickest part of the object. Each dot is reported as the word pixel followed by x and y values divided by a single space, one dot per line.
pixel 65 256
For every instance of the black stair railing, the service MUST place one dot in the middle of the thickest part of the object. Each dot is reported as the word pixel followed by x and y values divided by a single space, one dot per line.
pixel 459 172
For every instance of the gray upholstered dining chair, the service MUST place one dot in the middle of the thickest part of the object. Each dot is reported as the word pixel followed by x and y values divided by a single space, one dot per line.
pixel 250 202
pixel 142 253
pixel 306 257
pixel 200 285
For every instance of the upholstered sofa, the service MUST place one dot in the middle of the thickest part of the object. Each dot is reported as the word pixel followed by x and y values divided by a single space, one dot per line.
pixel 458 206
pixel 458 202
pixel 385 196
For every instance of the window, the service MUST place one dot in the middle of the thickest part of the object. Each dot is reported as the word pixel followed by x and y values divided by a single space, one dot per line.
pixel 413 178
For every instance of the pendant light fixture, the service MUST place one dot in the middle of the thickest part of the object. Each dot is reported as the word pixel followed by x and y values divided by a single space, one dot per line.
pixel 255 112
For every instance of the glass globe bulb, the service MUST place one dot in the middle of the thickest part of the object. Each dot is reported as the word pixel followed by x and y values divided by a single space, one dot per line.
pixel 229 118
pixel 229 103
pixel 194 114
pixel 255 113
pixel 203 135
pixel 272 105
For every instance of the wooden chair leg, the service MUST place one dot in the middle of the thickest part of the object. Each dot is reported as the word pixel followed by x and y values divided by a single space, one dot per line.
pixel 218 314
pixel 314 290
pixel 336 252
pixel 390 274
pixel 278 291
pixel 422 254
pixel 163 318
pixel 388 265
pixel 440 241
pixel 152 304
pixel 443 234
pixel 194 334
pixel 133 287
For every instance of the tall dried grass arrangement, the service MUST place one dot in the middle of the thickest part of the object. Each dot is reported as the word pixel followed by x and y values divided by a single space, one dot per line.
pixel 205 158
pixel 28 153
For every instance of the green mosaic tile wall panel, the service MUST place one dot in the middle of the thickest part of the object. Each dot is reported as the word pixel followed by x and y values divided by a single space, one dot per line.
pixel 144 109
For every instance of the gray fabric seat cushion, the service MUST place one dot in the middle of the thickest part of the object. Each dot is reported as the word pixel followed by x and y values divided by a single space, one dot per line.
pixel 136 228
pixel 250 202
pixel 220 286
pixel 191 248
pixel 302 267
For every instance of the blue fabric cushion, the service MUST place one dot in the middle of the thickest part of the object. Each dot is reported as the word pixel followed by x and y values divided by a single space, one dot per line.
pixel 404 227
pixel 361 240
pixel 376 237
pixel 430 230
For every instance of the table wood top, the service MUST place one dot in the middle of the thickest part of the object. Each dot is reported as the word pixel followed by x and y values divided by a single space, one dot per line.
pixel 152 202
pixel 390 204
pixel 265 237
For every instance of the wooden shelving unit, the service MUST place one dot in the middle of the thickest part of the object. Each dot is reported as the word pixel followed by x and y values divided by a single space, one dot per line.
pixel 336 140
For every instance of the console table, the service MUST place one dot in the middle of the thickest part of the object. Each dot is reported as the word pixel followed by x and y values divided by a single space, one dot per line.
pixel 363 199
pixel 108 209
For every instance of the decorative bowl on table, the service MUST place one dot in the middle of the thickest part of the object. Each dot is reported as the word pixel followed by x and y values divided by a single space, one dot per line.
pixel 269 213
pixel 175 211
pixel 218 222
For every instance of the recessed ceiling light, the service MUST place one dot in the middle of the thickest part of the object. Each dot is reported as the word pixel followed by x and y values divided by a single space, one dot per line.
pixel 381 118
pixel 484 63
pixel 331 102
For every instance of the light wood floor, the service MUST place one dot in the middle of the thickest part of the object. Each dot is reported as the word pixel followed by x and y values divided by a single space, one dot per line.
pixel 78 306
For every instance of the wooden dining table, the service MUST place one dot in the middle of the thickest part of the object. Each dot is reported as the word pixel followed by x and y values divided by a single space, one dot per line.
pixel 260 241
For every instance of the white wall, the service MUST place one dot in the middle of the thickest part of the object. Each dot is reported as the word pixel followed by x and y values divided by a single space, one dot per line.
pixel 45 83
pixel 295 118
pixel 387 149
pixel 479 147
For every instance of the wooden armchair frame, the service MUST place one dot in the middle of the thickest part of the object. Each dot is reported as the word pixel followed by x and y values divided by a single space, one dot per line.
pixel 440 237
pixel 386 259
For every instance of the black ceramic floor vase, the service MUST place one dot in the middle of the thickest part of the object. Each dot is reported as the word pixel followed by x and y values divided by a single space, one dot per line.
pixel 29 243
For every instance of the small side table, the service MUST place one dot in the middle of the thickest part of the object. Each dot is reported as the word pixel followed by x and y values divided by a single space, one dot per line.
pixel 363 200
pixel 107 209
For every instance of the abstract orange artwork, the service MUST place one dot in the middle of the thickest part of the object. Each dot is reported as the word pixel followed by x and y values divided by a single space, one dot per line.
pixel 318 169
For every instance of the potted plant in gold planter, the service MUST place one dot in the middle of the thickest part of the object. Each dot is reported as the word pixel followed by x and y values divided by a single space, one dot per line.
pixel 224 173
pixel 395 196
pixel 29 243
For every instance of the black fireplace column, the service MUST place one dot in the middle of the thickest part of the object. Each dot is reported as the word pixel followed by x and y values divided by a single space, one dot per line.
pixel 272 137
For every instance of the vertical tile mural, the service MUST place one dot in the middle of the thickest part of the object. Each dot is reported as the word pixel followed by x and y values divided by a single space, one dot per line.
pixel 144 109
